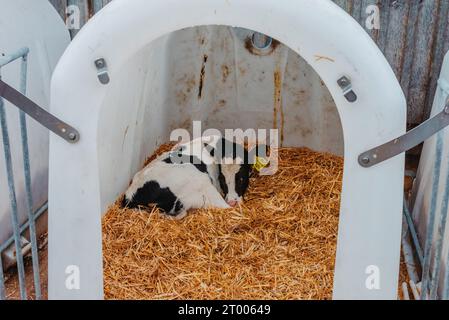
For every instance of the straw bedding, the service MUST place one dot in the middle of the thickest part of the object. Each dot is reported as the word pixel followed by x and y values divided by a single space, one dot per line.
pixel 280 244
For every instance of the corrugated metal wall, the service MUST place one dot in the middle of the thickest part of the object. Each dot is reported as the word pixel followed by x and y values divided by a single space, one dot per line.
pixel 413 34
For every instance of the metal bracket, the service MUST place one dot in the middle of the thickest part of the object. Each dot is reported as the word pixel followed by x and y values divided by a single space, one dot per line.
pixel 345 84
pixel 406 142
pixel 45 118
pixel 102 69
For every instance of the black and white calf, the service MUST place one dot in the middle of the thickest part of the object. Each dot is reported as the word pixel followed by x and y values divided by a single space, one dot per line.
pixel 209 172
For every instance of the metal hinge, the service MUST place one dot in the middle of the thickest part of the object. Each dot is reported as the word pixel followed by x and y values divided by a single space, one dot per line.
pixel 406 142
pixel 346 86
pixel 102 71
pixel 39 114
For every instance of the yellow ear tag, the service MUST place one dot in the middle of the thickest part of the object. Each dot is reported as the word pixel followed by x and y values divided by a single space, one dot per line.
pixel 260 163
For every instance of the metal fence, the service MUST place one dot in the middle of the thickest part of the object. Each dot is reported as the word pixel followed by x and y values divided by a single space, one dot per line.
pixel 428 257
pixel 430 275
pixel 21 54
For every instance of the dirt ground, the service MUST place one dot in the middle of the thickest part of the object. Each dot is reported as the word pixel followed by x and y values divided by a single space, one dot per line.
pixel 12 280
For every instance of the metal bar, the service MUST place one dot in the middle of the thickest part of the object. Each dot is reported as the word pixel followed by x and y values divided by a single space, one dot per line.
pixel 413 233
pixel 45 118
pixel 431 224
pixel 27 174
pixel 439 242
pixel 4 60
pixel 13 200
pixel 406 142
pixel 445 295
pixel 25 226
pixel 2 280
pixel 407 252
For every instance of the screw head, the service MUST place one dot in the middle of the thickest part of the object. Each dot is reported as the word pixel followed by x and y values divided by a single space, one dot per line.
pixel 72 136
pixel 99 63
pixel 343 82
pixel 365 160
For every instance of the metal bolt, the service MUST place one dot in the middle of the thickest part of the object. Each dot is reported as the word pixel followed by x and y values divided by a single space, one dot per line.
pixel 366 160
pixel 261 41
pixel 72 136
pixel 99 63
pixel 344 82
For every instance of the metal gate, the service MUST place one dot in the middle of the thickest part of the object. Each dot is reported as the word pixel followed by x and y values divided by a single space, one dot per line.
pixel 20 243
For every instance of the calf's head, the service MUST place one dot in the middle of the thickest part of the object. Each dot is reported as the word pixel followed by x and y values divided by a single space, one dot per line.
pixel 235 165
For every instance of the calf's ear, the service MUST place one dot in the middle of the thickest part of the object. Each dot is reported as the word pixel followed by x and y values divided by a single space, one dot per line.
pixel 258 158
pixel 209 149
pixel 257 151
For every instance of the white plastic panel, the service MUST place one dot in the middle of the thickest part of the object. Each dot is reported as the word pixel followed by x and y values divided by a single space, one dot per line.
pixel 36 25
pixel 118 131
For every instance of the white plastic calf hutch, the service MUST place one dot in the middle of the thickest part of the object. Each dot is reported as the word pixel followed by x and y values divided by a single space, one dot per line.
pixel 124 110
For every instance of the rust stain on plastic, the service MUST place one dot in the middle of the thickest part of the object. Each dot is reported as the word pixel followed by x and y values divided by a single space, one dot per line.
pixel 187 83
pixel 225 72
pixel 202 77
pixel 222 103
pixel 278 110
pixel 242 70
pixel 251 49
